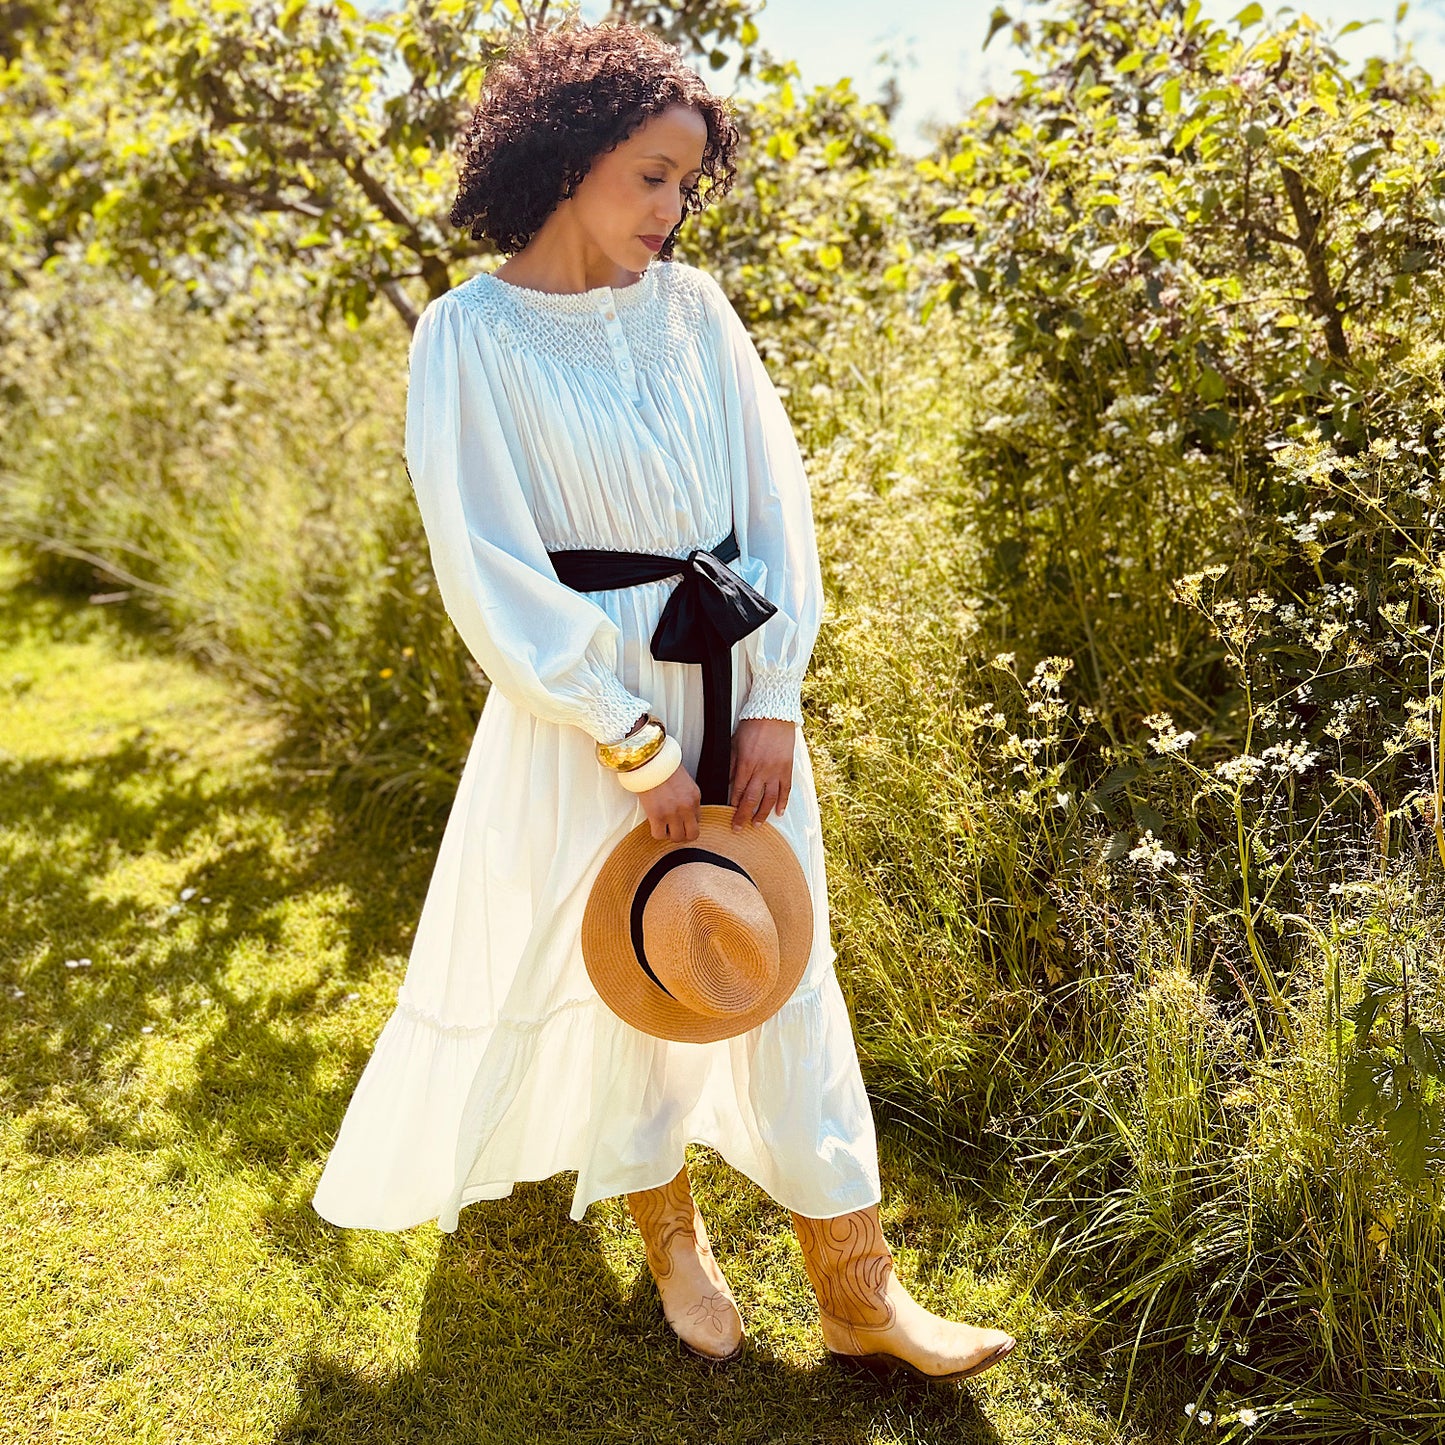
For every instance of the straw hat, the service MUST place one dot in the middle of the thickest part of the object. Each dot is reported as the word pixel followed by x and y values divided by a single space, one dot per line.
pixel 698 941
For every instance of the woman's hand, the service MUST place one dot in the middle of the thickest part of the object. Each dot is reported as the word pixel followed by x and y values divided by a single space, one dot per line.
pixel 672 807
pixel 762 769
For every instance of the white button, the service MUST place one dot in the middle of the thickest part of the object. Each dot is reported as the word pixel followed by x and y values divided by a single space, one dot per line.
pixel 612 316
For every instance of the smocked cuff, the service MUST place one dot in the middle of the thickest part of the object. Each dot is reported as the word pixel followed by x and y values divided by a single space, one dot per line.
pixel 776 693
pixel 612 710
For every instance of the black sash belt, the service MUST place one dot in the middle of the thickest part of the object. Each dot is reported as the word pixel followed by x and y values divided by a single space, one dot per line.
pixel 709 610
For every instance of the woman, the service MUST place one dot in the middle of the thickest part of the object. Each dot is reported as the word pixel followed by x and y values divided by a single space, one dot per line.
pixel 593 393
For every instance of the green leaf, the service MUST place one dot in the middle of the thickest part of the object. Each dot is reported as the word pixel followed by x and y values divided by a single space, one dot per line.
pixel 1378 992
pixel 1406 1129
pixel 996 22
pixel 1167 242
pixel 1146 817
pixel 1250 15
pixel 1425 1050
pixel 1366 1088
pixel 1169 94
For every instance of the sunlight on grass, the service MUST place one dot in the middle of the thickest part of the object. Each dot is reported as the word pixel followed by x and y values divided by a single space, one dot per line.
pixel 200 953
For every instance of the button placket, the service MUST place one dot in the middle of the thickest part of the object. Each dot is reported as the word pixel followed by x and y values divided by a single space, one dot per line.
pixel 617 341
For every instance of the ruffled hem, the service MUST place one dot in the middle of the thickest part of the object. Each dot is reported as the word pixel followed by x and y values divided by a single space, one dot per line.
pixel 445 1115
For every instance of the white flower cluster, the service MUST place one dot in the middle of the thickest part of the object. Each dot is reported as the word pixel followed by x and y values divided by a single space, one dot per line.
pixel 1129 404
pixel 1167 739
pixel 1309 531
pixel 1242 770
pixel 1151 852
pixel 1295 757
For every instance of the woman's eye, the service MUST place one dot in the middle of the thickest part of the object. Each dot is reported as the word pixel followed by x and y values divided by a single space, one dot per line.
pixel 654 180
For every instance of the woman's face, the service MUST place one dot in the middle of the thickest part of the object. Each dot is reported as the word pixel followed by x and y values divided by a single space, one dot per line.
pixel 631 197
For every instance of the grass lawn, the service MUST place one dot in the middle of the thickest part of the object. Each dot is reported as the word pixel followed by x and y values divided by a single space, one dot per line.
pixel 198 952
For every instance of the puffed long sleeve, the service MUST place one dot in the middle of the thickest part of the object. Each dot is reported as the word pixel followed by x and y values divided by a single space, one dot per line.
pixel 545 647
pixel 773 514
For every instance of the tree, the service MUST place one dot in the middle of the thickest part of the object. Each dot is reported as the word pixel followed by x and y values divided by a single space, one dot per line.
pixel 218 142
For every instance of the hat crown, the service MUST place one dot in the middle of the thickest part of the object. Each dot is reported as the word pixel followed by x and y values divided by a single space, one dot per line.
pixel 711 939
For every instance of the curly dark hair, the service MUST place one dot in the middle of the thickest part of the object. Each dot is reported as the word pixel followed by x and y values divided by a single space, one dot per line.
pixel 557 99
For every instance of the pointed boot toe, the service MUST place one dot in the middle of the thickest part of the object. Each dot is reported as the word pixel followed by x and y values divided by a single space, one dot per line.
pixel 870 1321
pixel 697 1303
pixel 710 1327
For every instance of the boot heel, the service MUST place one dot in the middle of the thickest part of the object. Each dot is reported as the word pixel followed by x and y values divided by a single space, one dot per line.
pixel 879 1367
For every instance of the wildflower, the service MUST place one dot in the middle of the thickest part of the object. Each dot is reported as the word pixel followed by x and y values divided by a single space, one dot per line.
pixel 187 894
pixel 1049 673
pixel 1003 661
pixel 385 672
pixel 1296 757
pixel 1248 1417
pixel 1152 852
pixel 1167 738
pixel 1242 770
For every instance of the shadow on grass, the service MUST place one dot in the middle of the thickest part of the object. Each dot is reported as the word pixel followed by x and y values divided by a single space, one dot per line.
pixel 524 1332
pixel 74 835
pixel 524 1335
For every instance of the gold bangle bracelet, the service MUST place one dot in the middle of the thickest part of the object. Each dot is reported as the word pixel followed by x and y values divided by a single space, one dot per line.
pixel 632 751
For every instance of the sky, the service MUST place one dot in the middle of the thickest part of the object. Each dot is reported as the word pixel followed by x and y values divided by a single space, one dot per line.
pixel 936 46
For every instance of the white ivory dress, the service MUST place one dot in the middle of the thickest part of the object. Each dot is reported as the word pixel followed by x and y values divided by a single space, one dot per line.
pixel 638 419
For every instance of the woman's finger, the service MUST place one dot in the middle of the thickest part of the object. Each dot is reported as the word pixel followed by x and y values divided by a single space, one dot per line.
pixel 766 802
pixel 747 801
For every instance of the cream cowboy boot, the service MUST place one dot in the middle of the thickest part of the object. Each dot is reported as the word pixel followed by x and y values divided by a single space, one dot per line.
pixel 869 1319
pixel 696 1300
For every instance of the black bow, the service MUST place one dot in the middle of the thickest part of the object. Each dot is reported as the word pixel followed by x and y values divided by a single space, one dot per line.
pixel 709 610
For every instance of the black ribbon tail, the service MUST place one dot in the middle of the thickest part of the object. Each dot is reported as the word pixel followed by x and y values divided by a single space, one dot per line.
pixel 714 764
pixel 709 610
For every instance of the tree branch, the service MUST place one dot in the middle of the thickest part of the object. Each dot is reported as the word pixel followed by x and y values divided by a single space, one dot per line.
pixel 1316 264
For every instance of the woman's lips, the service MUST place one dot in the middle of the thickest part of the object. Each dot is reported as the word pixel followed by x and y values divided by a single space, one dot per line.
pixel 653 243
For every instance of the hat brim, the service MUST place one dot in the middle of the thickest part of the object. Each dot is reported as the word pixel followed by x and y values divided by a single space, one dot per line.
pixel 607 950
